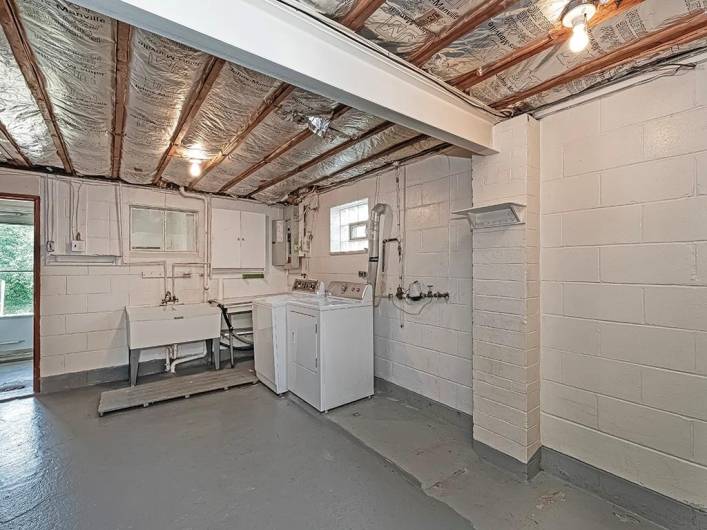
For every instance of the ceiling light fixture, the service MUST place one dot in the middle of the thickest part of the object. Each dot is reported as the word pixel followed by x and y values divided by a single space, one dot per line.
pixel 195 169
pixel 576 15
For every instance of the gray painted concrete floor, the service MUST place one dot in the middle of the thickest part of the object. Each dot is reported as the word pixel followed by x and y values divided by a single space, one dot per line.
pixel 439 455
pixel 242 459
pixel 15 373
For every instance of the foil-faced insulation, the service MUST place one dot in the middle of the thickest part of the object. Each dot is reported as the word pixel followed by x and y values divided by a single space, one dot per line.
pixel 234 97
pixel 614 33
pixel 523 23
pixel 358 151
pixel 402 26
pixel 20 114
pixel 285 121
pixel 351 124
pixel 330 8
pixel 75 51
pixel 410 150
pixel 162 75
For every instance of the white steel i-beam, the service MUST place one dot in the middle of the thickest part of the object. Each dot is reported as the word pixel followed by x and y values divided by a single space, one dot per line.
pixel 296 46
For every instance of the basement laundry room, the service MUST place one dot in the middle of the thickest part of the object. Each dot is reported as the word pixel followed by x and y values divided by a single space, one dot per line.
pixel 353 264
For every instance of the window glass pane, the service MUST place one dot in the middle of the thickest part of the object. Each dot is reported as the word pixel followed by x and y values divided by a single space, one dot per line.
pixel 342 218
pixel 180 231
pixel 16 266
pixel 146 229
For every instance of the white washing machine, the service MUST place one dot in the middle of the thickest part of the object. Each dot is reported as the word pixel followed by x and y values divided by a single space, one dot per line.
pixel 330 346
pixel 270 332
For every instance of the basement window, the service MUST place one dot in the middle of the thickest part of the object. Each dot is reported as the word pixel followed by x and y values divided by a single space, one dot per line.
pixel 348 227
pixel 162 230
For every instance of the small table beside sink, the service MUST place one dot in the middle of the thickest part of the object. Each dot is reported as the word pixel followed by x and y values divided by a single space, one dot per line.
pixel 150 327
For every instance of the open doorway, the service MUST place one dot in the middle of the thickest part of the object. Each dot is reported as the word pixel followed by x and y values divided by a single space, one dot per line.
pixel 19 296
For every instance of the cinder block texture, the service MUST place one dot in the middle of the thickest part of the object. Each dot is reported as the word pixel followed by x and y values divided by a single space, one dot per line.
pixel 506 305
pixel 624 281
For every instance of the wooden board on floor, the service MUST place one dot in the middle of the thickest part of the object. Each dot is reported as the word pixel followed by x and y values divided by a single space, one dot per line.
pixel 146 394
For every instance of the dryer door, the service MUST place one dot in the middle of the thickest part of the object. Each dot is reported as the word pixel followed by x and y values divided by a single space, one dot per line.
pixel 303 356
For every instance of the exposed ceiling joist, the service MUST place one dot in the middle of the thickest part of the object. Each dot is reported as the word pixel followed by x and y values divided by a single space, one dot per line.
pixel 375 156
pixel 557 36
pixel 122 62
pixel 189 111
pixel 33 77
pixel 259 35
pixel 269 104
pixel 18 157
pixel 354 19
pixel 316 160
pixel 389 165
pixel 278 151
pixel 359 13
pixel 461 27
pixel 685 30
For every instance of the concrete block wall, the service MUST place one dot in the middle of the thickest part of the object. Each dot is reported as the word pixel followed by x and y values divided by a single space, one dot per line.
pixel 429 353
pixel 506 296
pixel 82 324
pixel 624 284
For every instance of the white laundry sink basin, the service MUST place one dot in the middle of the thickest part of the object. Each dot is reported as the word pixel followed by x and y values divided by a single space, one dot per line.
pixel 172 324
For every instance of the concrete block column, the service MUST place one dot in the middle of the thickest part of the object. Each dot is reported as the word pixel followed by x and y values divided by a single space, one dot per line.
pixel 506 296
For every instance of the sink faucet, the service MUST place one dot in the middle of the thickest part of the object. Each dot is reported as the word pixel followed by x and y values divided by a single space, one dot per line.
pixel 169 298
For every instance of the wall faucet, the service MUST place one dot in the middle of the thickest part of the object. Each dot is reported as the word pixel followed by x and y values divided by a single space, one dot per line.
pixel 169 298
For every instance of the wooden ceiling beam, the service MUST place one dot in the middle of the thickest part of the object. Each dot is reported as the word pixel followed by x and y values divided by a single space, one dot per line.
pixel 189 111
pixel 359 13
pixel 18 157
pixel 279 151
pixel 556 37
pixel 269 104
pixel 465 24
pixel 393 163
pixel 375 156
pixel 122 64
pixel 687 29
pixel 354 20
pixel 33 77
pixel 316 160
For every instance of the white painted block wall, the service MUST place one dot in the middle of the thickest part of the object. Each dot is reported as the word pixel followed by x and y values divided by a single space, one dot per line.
pixel 82 323
pixel 431 353
pixel 624 284
pixel 506 291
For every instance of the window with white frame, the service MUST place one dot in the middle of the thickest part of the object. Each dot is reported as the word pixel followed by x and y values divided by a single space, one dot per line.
pixel 162 230
pixel 348 227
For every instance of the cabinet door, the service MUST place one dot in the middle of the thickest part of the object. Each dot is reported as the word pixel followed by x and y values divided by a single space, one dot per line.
pixel 225 239
pixel 252 240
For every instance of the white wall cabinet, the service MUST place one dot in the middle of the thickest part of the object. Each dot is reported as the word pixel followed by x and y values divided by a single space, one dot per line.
pixel 237 239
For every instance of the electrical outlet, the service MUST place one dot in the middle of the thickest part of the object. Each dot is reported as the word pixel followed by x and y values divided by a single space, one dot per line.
pixel 78 246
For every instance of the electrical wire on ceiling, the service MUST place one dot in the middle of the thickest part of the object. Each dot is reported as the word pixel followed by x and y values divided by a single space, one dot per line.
pixel 399 61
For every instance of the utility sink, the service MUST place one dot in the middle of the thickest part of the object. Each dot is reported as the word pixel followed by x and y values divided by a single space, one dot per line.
pixel 172 324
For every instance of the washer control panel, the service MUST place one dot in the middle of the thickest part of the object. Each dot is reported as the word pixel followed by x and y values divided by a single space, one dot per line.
pixel 352 290
pixel 302 285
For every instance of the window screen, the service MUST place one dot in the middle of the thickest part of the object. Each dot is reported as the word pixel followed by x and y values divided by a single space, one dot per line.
pixel 348 227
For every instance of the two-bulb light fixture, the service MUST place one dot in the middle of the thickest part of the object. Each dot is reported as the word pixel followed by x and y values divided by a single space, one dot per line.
pixel 576 15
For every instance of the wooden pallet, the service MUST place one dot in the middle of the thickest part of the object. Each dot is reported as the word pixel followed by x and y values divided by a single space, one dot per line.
pixel 185 386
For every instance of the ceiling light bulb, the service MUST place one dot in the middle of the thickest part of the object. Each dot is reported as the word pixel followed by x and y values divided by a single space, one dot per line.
pixel 195 169
pixel 580 37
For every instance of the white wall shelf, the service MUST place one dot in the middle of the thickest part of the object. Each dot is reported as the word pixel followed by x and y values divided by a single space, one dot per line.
pixel 494 215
